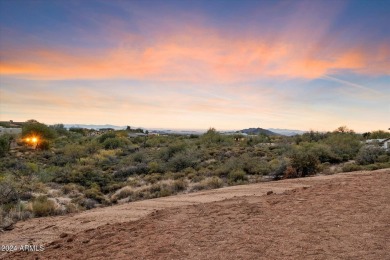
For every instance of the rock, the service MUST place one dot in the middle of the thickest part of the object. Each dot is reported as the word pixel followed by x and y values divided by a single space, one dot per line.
pixel 62 235
pixel 7 224
pixel 270 192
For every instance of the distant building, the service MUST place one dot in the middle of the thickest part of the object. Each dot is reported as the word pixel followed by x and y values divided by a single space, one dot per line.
pixel 12 131
pixel 136 134
pixel 384 143
pixel 11 123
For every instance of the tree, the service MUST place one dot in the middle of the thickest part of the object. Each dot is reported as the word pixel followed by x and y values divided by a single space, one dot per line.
pixel 344 143
pixel 60 129
pixel 303 163
pixel 379 134
pixel 343 129
pixel 33 127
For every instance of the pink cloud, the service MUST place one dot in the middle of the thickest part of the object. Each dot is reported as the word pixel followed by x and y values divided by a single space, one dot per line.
pixel 197 55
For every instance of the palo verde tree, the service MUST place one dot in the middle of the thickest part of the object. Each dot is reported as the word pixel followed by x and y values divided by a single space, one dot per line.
pixel 33 127
pixel 42 132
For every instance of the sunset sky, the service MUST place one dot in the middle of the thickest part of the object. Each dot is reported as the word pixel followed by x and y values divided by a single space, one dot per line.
pixel 197 64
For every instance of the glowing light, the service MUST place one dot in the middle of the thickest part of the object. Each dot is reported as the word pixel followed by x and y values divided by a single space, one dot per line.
pixel 27 139
pixel 34 139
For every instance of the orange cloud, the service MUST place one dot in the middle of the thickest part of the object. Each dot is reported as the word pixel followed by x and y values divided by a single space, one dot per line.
pixel 196 56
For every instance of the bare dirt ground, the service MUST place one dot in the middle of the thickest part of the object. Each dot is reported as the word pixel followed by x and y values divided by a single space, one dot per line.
pixel 343 216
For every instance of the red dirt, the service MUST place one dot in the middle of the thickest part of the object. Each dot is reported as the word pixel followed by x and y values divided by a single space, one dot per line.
pixel 343 216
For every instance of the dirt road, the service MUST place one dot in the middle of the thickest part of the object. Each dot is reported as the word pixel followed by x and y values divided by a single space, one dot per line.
pixel 339 216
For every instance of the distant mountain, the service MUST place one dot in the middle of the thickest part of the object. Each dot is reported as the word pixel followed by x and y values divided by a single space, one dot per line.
pixel 256 131
pixel 157 130
pixel 287 132
pixel 94 126
pixel 251 131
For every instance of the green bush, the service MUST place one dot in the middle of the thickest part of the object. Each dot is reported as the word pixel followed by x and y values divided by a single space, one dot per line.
pixel 86 176
pixel 4 144
pixel 181 161
pixel 171 150
pixel 95 194
pixel 114 143
pixel 44 145
pixel 214 182
pixel 369 154
pixel 304 162
pixel 345 145
pixel 351 167
pixel 33 127
pixel 180 185
pixel 106 136
pixel 42 206
pixel 237 176
pixel 125 172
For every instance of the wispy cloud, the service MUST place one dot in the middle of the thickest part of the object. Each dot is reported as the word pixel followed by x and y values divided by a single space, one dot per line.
pixel 351 84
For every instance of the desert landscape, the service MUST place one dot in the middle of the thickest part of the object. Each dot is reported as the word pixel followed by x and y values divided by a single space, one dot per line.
pixel 341 216
pixel 171 129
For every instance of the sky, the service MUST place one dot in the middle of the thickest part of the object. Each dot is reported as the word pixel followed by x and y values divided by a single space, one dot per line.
pixel 192 64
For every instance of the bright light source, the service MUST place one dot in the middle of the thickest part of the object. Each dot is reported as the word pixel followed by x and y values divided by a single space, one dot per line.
pixel 27 139
pixel 34 139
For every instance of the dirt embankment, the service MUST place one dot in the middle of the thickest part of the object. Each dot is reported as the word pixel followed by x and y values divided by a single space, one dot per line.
pixel 344 216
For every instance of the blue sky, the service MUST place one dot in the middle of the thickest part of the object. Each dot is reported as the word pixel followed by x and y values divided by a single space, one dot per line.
pixel 197 64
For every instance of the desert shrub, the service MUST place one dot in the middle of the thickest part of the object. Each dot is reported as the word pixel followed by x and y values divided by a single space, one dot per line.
pixel 179 185
pixel 125 192
pixel 180 161
pixel 71 208
pixel 19 212
pixel 44 145
pixel 168 152
pixel 214 182
pixel 345 145
pixel 369 154
pixel 304 162
pixel 8 192
pixel 139 157
pixel 91 147
pixel 106 136
pixel 88 203
pixel 376 166
pixel 160 190
pixel 125 172
pixel 237 176
pixel 74 151
pixel 114 143
pixel 213 138
pixel 95 194
pixel 72 188
pixel 383 158
pixel 46 175
pixel 4 144
pixel 33 127
pixel 155 167
pixel 323 152
pixel 42 206
pixel 153 178
pixel 290 172
pixel 86 176
pixel 252 165
pixel 279 168
pixel 61 160
pixel 350 167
